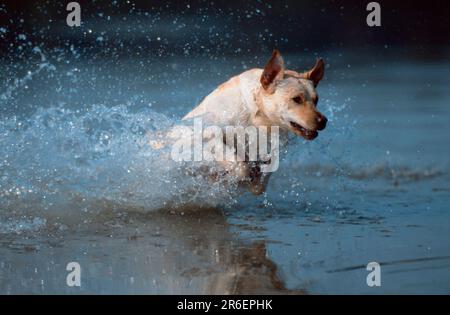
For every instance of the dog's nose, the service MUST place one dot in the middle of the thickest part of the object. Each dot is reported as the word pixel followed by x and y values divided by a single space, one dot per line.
pixel 321 122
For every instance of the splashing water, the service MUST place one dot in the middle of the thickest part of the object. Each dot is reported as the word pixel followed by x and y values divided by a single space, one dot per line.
pixel 60 163
pixel 19 83
pixel 61 158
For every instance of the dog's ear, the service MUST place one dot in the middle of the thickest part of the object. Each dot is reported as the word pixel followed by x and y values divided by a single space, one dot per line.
pixel 316 73
pixel 273 71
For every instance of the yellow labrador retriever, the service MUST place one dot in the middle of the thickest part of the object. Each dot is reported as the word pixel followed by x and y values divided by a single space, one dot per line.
pixel 269 97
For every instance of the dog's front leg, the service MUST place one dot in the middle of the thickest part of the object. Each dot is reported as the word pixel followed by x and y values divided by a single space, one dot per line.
pixel 258 180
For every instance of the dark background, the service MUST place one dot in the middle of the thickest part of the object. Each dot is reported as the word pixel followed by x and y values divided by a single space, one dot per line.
pixel 217 28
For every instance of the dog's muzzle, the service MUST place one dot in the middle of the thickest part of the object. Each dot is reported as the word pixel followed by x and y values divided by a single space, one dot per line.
pixel 305 133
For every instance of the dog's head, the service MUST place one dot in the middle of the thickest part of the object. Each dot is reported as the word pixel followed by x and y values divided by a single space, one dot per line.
pixel 289 98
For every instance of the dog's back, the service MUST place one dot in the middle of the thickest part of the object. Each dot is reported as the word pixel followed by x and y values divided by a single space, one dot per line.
pixel 231 103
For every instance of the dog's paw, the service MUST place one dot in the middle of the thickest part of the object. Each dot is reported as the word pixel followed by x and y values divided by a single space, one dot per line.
pixel 257 189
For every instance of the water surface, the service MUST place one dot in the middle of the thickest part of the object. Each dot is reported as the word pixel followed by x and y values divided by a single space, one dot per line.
pixel 79 183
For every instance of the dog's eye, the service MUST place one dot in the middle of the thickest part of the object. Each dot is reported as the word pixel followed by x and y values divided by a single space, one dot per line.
pixel 298 99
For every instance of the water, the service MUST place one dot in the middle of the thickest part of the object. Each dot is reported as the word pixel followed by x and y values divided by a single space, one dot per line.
pixel 78 181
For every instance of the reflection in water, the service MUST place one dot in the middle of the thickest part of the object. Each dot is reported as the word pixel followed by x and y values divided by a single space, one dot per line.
pixel 191 252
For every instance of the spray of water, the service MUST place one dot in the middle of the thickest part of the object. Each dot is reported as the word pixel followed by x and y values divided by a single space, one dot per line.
pixel 60 161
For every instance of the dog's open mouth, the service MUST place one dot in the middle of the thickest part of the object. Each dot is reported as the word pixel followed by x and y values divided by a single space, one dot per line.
pixel 305 133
